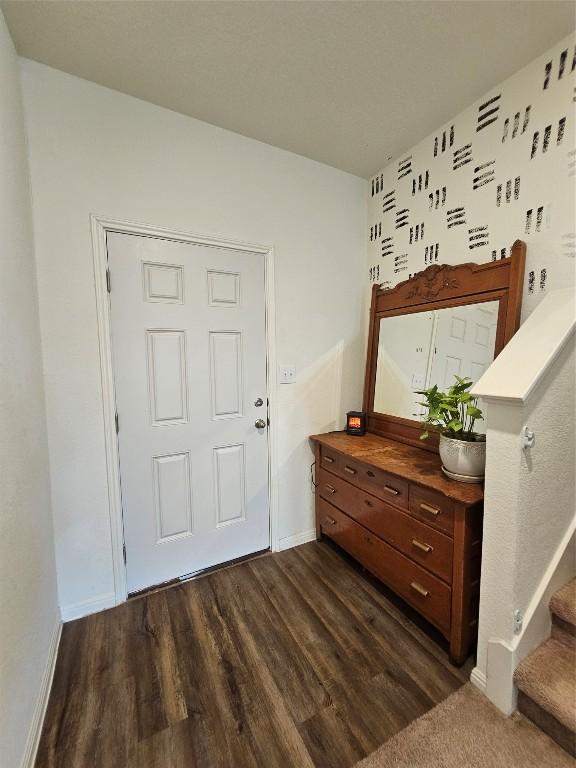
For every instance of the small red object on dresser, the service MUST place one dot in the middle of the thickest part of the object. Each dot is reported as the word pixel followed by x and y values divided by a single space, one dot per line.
pixel 355 422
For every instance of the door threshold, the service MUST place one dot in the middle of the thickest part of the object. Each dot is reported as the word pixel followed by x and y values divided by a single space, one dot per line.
pixel 197 574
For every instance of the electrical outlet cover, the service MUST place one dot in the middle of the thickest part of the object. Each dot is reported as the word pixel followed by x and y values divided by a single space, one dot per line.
pixel 287 374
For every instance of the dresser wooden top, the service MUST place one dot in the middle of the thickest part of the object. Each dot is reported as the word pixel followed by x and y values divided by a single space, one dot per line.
pixel 414 464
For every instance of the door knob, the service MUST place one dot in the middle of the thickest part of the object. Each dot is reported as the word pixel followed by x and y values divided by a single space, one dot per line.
pixel 260 424
pixel 258 402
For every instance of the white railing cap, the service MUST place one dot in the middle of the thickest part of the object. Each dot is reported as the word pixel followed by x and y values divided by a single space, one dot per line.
pixel 524 361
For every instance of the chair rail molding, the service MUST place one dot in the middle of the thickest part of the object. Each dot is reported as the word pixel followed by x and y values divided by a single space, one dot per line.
pixel 100 226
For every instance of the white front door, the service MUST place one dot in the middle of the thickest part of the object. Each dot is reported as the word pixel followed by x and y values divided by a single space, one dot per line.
pixel 189 351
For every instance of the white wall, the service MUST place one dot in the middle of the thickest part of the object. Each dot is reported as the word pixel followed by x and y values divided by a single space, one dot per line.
pixel 28 602
pixel 94 150
pixel 531 505
pixel 530 502
pixel 495 154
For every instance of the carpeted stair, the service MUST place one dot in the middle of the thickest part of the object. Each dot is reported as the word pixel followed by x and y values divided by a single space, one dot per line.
pixel 467 731
pixel 546 679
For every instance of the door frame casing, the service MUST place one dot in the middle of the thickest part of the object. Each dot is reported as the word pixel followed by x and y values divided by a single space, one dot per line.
pixel 100 226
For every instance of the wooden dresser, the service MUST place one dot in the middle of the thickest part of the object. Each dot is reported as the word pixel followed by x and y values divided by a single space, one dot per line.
pixel 390 506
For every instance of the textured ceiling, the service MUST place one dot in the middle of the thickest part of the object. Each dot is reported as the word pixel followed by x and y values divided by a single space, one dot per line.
pixel 349 84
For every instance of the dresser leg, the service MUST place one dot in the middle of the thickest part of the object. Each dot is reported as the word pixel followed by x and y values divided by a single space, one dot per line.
pixel 458 654
pixel 460 630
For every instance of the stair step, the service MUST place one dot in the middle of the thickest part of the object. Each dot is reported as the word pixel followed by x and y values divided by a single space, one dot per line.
pixel 547 723
pixel 563 605
pixel 546 681
pixel 563 631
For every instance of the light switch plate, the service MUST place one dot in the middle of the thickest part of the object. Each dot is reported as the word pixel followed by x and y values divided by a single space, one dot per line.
pixel 418 382
pixel 287 374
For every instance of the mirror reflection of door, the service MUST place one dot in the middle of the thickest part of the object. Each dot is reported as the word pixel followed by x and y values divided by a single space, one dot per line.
pixel 463 342
pixel 418 350
pixel 463 345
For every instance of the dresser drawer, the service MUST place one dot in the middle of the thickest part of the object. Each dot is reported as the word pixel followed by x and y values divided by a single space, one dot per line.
pixel 330 459
pixel 341 528
pixel 349 498
pixel 433 508
pixel 419 542
pixel 425 592
pixel 381 484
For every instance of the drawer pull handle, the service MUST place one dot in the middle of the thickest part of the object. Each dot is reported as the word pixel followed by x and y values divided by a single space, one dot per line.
pixel 370 473
pixel 417 588
pixel 421 545
pixel 328 460
pixel 330 488
pixel 390 489
pixel 368 503
pixel 349 470
pixel 431 510
pixel 330 521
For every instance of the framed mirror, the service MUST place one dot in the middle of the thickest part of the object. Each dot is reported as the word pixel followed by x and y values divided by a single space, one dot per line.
pixel 444 321
pixel 421 349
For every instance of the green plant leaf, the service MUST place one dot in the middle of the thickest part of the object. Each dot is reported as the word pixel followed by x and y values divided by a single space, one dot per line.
pixel 450 407
pixel 454 410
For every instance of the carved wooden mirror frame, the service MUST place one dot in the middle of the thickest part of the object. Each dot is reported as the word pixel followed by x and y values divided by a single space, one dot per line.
pixel 439 286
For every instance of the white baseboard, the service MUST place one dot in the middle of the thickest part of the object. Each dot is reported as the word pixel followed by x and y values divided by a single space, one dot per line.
pixel 299 538
pixel 35 730
pixel 86 607
pixel 478 678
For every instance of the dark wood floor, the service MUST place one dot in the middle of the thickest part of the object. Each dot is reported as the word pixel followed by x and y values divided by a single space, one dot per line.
pixel 291 660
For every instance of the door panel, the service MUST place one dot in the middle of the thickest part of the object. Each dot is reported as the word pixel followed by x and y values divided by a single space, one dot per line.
pixel 172 495
pixel 167 385
pixel 229 475
pixel 226 374
pixel 189 348
pixel 163 283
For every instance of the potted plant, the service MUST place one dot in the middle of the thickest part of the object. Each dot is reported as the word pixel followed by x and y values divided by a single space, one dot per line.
pixel 454 413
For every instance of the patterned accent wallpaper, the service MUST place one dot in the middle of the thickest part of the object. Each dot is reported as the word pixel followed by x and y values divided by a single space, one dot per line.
pixel 501 170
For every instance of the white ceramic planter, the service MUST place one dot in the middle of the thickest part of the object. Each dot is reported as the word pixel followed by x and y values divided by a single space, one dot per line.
pixel 464 457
